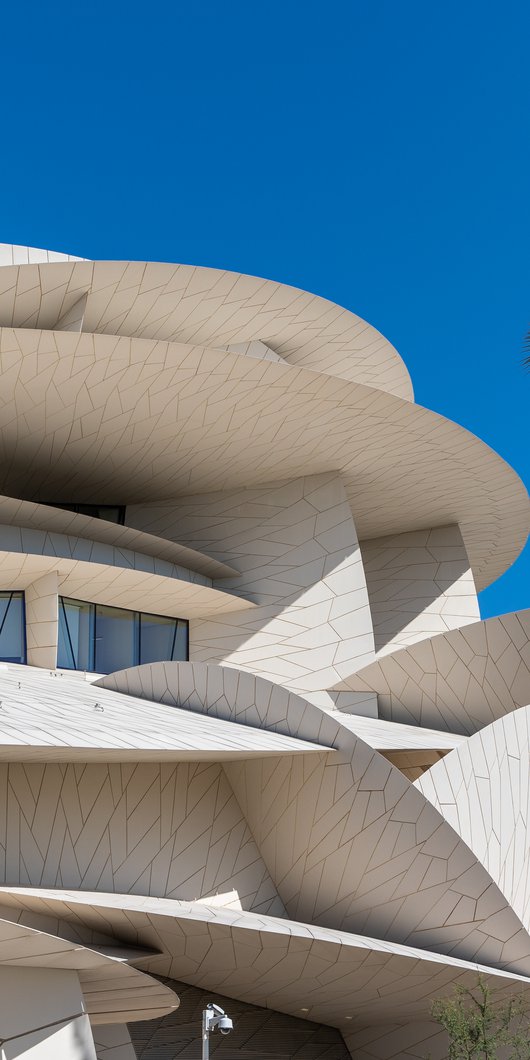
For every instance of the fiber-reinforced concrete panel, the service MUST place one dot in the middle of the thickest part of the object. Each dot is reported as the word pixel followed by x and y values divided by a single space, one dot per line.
pixel 295 547
pixel 419 584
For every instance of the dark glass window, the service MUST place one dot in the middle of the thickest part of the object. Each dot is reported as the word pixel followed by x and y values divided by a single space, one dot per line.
pixel 12 627
pixel 102 639
pixel 116 639
pixel 113 513
pixel 162 639
pixel 76 635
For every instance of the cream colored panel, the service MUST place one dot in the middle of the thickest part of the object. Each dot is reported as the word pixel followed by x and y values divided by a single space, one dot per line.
pixel 350 848
pixel 460 681
pixel 413 763
pixel 483 789
pixel 36 542
pixel 347 839
pixel 295 547
pixel 253 349
pixel 187 303
pixel 42 1016
pixel 360 985
pixel 148 829
pixel 119 585
pixel 112 990
pixel 59 716
pixel 42 621
pixel 113 1042
pixel 392 736
pixel 12 254
pixel 398 1041
pixel 32 516
pixel 72 318
pixel 123 420
pixel 419 584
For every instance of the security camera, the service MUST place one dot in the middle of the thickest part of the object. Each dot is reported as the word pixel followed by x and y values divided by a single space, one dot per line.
pixel 216 1008
pixel 214 1018
pixel 225 1024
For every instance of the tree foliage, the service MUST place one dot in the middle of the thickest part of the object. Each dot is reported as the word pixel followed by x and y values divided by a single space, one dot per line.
pixel 480 1028
pixel 526 350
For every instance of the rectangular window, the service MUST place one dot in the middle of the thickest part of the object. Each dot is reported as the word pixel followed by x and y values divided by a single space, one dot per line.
pixel 12 627
pixel 103 639
pixel 116 639
pixel 113 513
pixel 162 639
pixel 76 635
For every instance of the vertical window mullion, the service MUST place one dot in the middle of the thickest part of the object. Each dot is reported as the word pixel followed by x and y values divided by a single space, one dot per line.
pixel 6 612
pixel 92 638
pixel 174 641
pixel 13 627
pixel 138 637
pixel 111 638
pixel 70 645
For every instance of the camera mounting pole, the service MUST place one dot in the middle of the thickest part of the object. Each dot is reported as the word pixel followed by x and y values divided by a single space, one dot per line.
pixel 213 1018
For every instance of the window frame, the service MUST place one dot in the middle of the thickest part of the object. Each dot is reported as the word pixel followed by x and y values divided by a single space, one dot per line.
pixel 136 619
pixel 20 595
pixel 77 509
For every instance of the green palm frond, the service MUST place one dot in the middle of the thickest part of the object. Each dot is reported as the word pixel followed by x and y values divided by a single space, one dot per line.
pixel 526 350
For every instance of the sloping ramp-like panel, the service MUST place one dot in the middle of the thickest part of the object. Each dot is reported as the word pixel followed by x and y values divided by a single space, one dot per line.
pixel 483 789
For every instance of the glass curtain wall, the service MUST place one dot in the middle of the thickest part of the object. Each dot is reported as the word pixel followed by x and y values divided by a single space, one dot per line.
pixel 116 634
pixel 12 627
pixel 76 635
pixel 102 639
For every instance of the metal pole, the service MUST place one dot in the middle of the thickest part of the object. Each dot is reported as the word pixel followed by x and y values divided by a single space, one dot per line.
pixel 205 1036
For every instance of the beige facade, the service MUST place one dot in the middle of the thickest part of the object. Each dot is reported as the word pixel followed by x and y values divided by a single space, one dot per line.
pixel 419 584
pixel 256 745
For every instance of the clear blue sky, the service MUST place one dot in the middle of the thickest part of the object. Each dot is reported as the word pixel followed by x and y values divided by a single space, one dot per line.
pixel 377 153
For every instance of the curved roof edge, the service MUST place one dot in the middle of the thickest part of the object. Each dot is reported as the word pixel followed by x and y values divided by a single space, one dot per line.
pixel 55 520
pixel 271 962
pixel 404 467
pixel 356 886
pixel 459 681
pixel 112 988
pixel 297 326
pixel 15 254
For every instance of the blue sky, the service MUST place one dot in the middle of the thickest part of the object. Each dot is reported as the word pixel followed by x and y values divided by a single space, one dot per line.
pixel 377 153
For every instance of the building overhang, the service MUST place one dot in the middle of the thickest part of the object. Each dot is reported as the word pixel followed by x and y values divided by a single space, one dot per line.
pixel 121 420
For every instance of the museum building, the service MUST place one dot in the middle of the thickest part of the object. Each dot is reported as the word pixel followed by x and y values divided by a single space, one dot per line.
pixel 256 745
